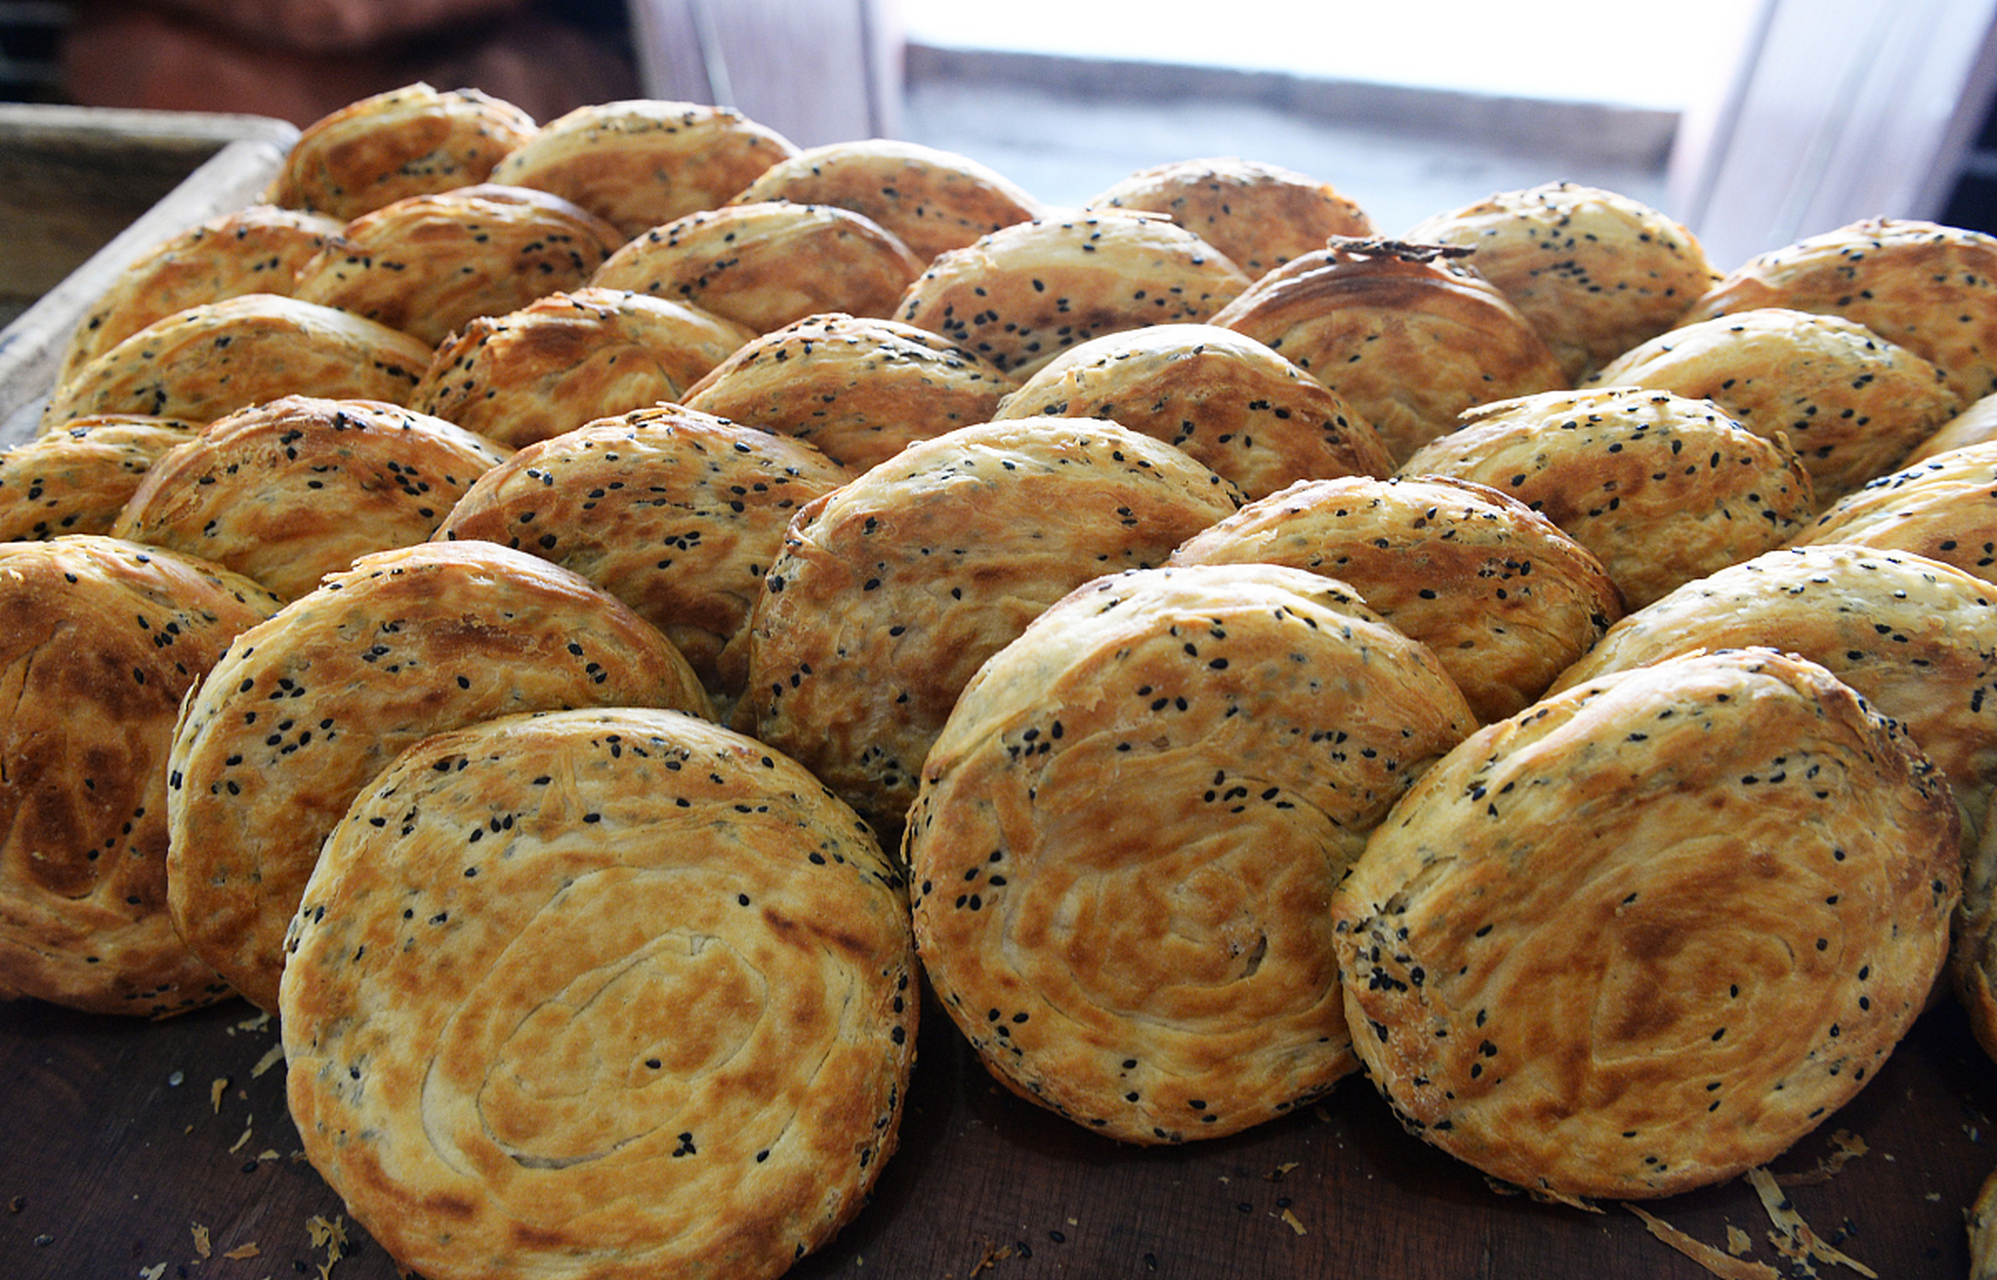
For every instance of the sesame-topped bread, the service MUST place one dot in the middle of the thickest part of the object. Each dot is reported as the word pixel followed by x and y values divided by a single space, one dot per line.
pixel 405 142
pixel 658 1021
pixel 76 479
pixel 1403 333
pixel 210 360
pixel 1916 637
pixel 768 264
pixel 1852 404
pixel 640 162
pixel 1976 424
pixel 1260 215
pixel 858 388
pixel 1646 934
pixel 293 489
pixel 934 200
pixel 1504 599
pixel 305 708
pixel 1661 488
pixel 675 512
pixel 1944 507
pixel 571 358
pixel 892 589
pixel 1128 832
pixel 1920 285
pixel 253 250
pixel 1226 399
pixel 1596 272
pixel 428 264
pixel 1025 293
pixel 99 641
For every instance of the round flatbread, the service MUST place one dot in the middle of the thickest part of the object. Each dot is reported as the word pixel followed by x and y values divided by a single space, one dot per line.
pixel 639 163
pixel 859 388
pixel 1648 933
pixel 1405 335
pixel 654 1015
pixel 1260 215
pixel 675 512
pixel 1661 488
pixel 1224 398
pixel 1851 404
pixel 210 360
pixel 1504 599
pixel 934 200
pixel 305 708
pixel 99 641
pixel 76 479
pixel 892 589
pixel 293 489
pixel 405 142
pixel 1129 830
pixel 1596 272
pixel 571 358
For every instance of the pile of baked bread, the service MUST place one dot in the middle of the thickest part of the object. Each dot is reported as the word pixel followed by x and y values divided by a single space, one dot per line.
pixel 594 622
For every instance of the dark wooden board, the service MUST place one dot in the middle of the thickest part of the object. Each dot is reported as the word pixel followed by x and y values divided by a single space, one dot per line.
pixel 116 1145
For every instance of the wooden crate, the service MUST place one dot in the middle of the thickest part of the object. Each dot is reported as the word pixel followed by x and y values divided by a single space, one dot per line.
pixel 83 192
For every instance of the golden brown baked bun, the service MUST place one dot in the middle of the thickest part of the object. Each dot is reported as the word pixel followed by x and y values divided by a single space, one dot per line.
pixel 99 639
pixel 1920 285
pixel 1129 830
pixel 640 162
pixel 766 265
pixel 1593 270
pixel 891 590
pixel 1260 215
pixel 1661 488
pixel 934 200
pixel 78 478
pixel 296 488
pixel 210 360
pixel 1648 933
pixel 1915 637
pixel 304 709
pixel 571 358
pixel 658 1021
pixel 1025 293
pixel 1851 404
pixel 253 250
pixel 405 142
pixel 1404 335
pixel 1504 599
pixel 1230 402
pixel 1944 508
pixel 428 264
pixel 859 388
pixel 675 512
pixel 1976 424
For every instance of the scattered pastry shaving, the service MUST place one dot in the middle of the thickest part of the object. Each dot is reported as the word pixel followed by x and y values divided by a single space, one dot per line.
pixel 153 1272
pixel 242 1251
pixel 1849 1147
pixel 1290 1220
pixel 992 1258
pixel 201 1245
pixel 1722 1265
pixel 269 1060
pixel 1792 1236
pixel 216 1088
pixel 238 1145
pixel 1739 1243
pixel 257 1023
pixel 1280 1171
pixel 330 1235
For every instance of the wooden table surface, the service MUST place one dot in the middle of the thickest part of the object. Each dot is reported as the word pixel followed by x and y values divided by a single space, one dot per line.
pixel 157 1151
